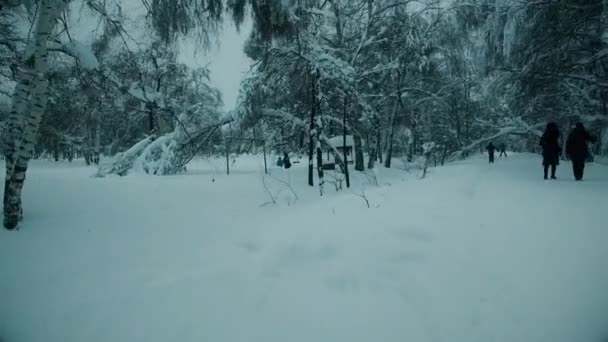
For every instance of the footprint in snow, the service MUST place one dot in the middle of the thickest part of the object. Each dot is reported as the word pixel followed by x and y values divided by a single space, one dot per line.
pixel 342 283
pixel 407 257
pixel 250 247
pixel 413 233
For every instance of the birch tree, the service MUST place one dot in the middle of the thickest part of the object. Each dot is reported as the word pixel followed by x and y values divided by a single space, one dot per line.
pixel 30 95
pixel 29 103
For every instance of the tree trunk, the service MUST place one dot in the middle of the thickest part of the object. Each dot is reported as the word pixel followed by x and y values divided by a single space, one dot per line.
pixel 385 142
pixel 599 148
pixel 371 159
pixel 389 153
pixel 344 152
pixel 416 143
pixel 372 145
pixel 97 141
pixel 311 131
pixel 379 145
pixel 444 155
pixel 56 151
pixel 265 162
pixel 88 141
pixel 391 137
pixel 17 167
pixel 87 155
pixel 151 125
pixel 14 131
pixel 359 161
pixel 227 159
pixel 319 131
pixel 25 128
pixel 320 168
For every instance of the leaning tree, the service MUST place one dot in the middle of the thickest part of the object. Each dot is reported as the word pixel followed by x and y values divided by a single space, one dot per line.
pixel 170 19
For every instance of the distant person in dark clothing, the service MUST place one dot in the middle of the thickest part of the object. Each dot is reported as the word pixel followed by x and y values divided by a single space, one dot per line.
pixel 551 148
pixel 491 149
pixel 286 161
pixel 577 150
pixel 503 150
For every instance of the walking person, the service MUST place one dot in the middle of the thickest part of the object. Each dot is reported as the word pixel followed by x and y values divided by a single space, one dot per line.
pixel 286 161
pixel 549 142
pixel 503 150
pixel 491 149
pixel 577 150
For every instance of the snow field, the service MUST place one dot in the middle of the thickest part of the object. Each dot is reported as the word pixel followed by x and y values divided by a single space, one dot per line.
pixel 473 252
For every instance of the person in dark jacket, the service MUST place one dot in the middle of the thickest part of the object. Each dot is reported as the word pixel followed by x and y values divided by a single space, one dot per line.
pixel 577 150
pixel 491 149
pixel 551 149
pixel 286 161
pixel 503 150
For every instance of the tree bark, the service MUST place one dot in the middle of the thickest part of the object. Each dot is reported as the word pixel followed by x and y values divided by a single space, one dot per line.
pixel 372 144
pixel 320 168
pixel 379 146
pixel 311 131
pixel 56 151
pixel 151 125
pixel 97 141
pixel 14 129
pixel 359 160
pixel 391 137
pixel 344 152
pixel 29 103
pixel 319 131
pixel 265 162
pixel 87 141
pixel 227 160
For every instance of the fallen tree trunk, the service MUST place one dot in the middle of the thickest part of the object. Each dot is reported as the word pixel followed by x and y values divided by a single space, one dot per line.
pixel 123 162
pixel 170 154
pixel 166 155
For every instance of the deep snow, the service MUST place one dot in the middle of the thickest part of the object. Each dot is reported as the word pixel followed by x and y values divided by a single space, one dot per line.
pixel 474 252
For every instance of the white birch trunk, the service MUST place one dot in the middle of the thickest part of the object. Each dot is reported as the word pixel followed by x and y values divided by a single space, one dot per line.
pixel 14 127
pixel 29 103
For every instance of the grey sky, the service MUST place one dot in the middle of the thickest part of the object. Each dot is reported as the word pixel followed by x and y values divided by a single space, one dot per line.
pixel 227 62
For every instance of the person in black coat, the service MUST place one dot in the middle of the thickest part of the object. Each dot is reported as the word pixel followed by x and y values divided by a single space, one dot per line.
pixel 491 149
pixel 549 141
pixel 286 161
pixel 577 150
pixel 503 150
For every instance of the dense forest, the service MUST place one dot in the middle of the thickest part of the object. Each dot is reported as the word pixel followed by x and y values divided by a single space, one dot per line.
pixel 404 79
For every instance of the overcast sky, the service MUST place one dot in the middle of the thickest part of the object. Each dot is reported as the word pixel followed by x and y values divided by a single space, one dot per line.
pixel 227 62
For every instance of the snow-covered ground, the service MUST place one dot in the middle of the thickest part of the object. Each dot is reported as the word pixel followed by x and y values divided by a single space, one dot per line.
pixel 474 252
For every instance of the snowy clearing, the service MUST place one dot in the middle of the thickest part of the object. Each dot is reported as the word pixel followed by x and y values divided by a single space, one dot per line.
pixel 474 252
